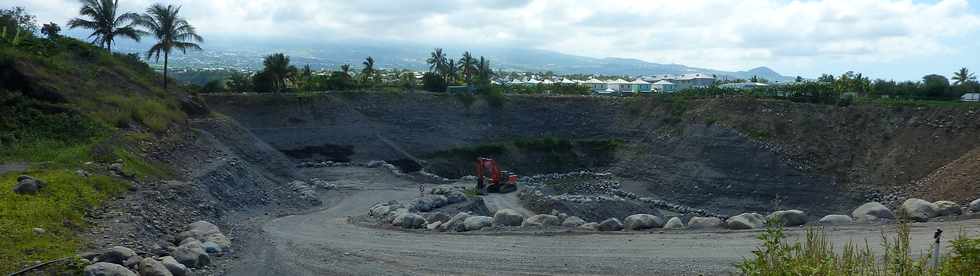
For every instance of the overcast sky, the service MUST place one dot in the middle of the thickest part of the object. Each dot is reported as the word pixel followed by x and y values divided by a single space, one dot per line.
pixel 886 39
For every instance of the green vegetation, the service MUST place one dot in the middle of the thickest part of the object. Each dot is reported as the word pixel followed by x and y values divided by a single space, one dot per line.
pixel 104 22
pixel 816 255
pixel 171 31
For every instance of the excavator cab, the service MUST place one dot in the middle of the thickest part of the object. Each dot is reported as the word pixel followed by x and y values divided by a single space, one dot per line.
pixel 499 181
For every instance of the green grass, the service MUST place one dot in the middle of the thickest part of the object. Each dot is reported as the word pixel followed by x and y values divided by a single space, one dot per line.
pixel 58 209
pixel 816 255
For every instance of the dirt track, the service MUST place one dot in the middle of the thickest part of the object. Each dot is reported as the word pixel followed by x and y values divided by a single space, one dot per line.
pixel 325 243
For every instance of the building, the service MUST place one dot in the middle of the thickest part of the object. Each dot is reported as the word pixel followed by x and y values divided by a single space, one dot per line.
pixel 970 97
pixel 640 86
pixel 743 85
pixel 596 85
pixel 685 81
pixel 664 86
pixel 619 85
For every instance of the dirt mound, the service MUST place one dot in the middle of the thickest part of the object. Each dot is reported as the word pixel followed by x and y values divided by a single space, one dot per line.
pixel 956 181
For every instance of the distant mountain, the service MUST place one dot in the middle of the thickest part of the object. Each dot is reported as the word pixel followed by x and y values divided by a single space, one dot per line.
pixel 331 56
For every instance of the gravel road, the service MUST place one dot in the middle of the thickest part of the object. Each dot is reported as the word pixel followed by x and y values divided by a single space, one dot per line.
pixel 326 243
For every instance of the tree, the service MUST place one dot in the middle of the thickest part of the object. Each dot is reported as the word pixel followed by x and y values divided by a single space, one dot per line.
pixel 963 76
pixel 407 79
pixel 437 62
pixel 239 82
pixel 277 70
pixel 368 72
pixel 467 65
pixel 17 18
pixel 104 22
pixel 171 31
pixel 799 79
pixel 826 78
pixel 433 82
pixel 52 30
pixel 484 75
pixel 935 85
pixel 345 72
pixel 451 72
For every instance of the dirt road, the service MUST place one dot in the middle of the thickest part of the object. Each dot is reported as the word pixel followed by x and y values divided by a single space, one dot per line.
pixel 325 243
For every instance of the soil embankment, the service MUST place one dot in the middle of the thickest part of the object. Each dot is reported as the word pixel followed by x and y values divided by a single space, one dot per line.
pixel 726 155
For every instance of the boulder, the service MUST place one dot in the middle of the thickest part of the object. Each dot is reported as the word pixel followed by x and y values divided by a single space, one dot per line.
pixel 27 185
pixel 433 226
pixel 642 222
pixel 872 211
pixel 132 262
pixel 542 220
pixel 572 221
pixel 835 220
pixel 211 247
pixel 116 255
pixel 205 231
pixel 191 254
pixel 428 203
pixel 455 197
pixel 947 208
pixel 474 223
pixel 38 231
pixel 788 217
pixel 443 189
pixel 175 267
pixel 187 240
pixel 704 223
pixel 411 221
pixel 456 223
pixel 434 217
pixel 394 215
pixel 507 217
pixel 746 221
pixel 107 269
pixel 592 226
pixel 152 267
pixel 674 223
pixel 611 224
pixel 975 206
pixel 919 210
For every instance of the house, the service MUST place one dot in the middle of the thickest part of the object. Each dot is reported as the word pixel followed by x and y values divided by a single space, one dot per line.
pixel 743 85
pixel 970 97
pixel 640 86
pixel 619 85
pixel 696 80
pixel 664 86
pixel 596 85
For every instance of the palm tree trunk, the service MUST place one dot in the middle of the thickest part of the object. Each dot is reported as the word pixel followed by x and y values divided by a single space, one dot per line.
pixel 166 59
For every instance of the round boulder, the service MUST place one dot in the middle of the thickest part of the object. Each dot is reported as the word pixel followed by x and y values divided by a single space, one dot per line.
pixel 919 210
pixel 175 267
pixel 642 222
pixel 872 211
pixel 788 217
pixel 152 267
pixel 835 220
pixel 746 221
pixel 107 269
pixel 674 223
pixel 507 217
pixel 704 223
pixel 612 224
pixel 27 185
pixel 191 254
pixel 572 221
pixel 591 226
pixel 542 220
pixel 474 223
pixel 975 206
pixel 456 223
pixel 411 221
pixel 117 255
pixel 947 208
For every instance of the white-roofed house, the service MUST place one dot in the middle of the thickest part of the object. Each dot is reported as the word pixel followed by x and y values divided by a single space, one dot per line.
pixel 696 80
pixel 619 85
pixel 596 85
pixel 640 86
pixel 664 86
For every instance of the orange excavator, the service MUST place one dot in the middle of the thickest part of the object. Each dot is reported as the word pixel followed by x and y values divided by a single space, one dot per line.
pixel 500 181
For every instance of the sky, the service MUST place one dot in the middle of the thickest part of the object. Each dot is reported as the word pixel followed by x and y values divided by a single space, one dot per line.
pixel 901 40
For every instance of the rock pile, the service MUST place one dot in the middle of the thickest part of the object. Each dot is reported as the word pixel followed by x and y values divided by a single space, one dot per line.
pixel 201 239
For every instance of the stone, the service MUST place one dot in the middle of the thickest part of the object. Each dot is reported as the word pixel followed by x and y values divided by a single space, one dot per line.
pixel 433 226
pixel 642 222
pixel 175 267
pixel 455 224
pixel 133 261
pixel 39 231
pixel 674 223
pixel 572 221
pixel 211 247
pixel 107 269
pixel 434 217
pixel 27 185
pixel 152 267
pixel 116 255
pixel 428 203
pixel 746 221
pixel 542 220
pixel 474 223
pixel 872 211
pixel 592 226
pixel 411 221
pixel 919 210
pixel 455 197
pixel 788 217
pixel 611 224
pixel 191 254
pixel 507 217
pixel 947 208
pixel 443 189
pixel 205 231
pixel 975 206
pixel 835 220
pixel 187 240
pixel 704 223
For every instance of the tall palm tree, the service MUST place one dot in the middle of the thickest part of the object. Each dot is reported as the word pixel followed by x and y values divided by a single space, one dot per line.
pixel 467 64
pixel 171 31
pixel 451 72
pixel 277 66
pixel 105 23
pixel 345 71
pixel 963 76
pixel 437 62
pixel 367 74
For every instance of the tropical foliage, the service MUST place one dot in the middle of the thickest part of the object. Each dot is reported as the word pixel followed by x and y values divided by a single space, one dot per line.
pixel 106 23
pixel 171 31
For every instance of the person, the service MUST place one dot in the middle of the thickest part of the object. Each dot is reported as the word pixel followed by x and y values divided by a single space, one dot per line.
pixel 421 190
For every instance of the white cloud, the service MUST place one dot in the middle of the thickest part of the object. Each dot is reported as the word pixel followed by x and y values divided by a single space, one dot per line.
pixel 717 34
